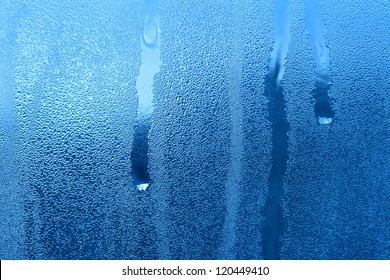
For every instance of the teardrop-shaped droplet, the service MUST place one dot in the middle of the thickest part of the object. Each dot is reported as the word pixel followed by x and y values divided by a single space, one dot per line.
pixel 150 34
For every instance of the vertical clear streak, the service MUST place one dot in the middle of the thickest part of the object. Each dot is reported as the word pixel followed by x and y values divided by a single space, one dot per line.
pixel 314 24
pixel 273 91
pixel 150 66
pixel 282 39
pixel 12 239
pixel 233 181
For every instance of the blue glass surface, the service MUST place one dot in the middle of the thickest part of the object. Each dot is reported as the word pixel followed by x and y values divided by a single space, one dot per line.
pixel 237 129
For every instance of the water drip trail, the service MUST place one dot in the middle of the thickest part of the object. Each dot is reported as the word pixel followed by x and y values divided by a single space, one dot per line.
pixel 146 209
pixel 315 26
pixel 280 127
pixel 150 66
pixel 233 181
pixel 11 222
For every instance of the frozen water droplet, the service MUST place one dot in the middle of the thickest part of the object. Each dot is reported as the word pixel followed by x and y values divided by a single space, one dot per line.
pixel 324 120
pixel 142 187
pixel 150 34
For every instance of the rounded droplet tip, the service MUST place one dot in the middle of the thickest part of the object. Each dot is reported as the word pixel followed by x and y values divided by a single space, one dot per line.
pixel 324 120
pixel 150 33
pixel 142 187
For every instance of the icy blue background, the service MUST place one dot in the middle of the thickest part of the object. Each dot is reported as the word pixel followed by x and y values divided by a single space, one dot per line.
pixel 68 105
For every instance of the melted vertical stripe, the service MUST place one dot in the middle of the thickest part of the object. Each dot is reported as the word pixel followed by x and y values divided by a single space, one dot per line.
pixel 280 127
pixel 232 187
pixel 11 222
pixel 150 66
pixel 150 58
pixel 282 38
pixel 314 24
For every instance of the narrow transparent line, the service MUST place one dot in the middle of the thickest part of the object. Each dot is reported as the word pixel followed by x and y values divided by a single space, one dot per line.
pixel 150 66
pixel 315 26
pixel 232 187
pixel 274 93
